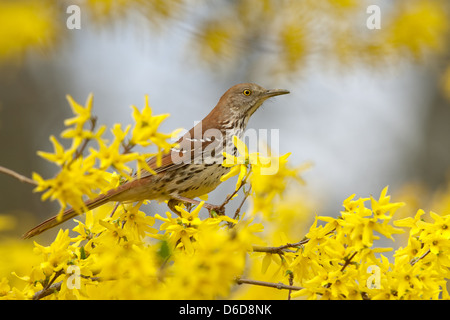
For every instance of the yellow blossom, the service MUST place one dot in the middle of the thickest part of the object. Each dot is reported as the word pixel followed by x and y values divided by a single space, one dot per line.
pixel 138 221
pixel 181 230
pixel 210 273
pixel 440 226
pixel 420 26
pixel 145 131
pixel 60 156
pixel 7 222
pixel 410 222
pixel 25 25
pixel 381 207
pixel 268 176
pixel 239 164
pixel 4 287
pixel 110 156
pixel 83 115
pixel 56 255
pixel 88 229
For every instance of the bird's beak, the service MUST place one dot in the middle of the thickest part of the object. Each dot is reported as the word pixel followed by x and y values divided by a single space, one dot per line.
pixel 275 92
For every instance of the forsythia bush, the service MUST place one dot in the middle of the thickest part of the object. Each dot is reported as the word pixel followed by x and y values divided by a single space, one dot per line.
pixel 119 252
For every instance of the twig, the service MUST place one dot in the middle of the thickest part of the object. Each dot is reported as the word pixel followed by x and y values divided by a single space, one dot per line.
pixel 291 283
pixel 347 261
pixel 415 260
pixel 53 287
pixel 279 285
pixel 18 176
pixel 238 210
pixel 280 248
pixel 47 291
pixel 127 147
pixel 243 182
pixel 114 209
pixel 49 287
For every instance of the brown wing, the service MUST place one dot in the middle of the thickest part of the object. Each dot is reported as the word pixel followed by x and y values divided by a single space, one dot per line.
pixel 189 150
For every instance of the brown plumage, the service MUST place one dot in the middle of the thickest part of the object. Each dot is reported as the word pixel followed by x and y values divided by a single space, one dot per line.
pixel 192 169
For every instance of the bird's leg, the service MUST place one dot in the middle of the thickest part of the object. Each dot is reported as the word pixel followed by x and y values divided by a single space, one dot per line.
pixel 188 207
pixel 172 203
pixel 218 209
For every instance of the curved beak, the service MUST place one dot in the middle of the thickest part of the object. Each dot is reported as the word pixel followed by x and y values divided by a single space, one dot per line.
pixel 275 92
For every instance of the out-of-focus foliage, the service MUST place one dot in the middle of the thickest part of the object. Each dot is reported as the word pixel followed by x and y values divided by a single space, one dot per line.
pixel 286 34
pixel 446 82
pixel 282 35
pixel 26 24
pixel 157 11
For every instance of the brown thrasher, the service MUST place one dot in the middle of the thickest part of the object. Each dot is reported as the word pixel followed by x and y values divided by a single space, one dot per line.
pixel 193 168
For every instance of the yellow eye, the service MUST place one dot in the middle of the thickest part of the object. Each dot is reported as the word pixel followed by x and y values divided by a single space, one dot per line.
pixel 247 92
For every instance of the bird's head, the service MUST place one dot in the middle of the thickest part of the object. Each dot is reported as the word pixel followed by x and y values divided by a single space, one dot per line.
pixel 242 100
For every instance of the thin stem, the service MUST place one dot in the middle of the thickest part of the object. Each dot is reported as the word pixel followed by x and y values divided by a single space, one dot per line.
pixel 268 284
pixel 279 249
pixel 347 261
pixel 127 147
pixel 49 288
pixel 238 210
pixel 291 283
pixel 47 291
pixel 415 260
pixel 53 287
pixel 18 176
pixel 243 182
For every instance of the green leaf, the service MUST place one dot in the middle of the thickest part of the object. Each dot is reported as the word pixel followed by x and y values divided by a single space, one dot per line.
pixel 82 253
pixel 164 250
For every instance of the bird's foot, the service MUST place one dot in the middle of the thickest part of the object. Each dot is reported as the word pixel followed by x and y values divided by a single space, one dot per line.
pixel 172 203
pixel 212 208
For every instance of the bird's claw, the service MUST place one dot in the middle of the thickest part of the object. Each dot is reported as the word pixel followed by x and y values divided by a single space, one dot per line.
pixel 214 210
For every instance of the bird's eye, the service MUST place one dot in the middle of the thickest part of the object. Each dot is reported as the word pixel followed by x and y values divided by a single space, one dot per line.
pixel 247 92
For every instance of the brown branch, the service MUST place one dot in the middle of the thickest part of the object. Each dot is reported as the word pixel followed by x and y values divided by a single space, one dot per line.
pixel 279 285
pixel 347 261
pixel 238 210
pixel 49 287
pixel 127 147
pixel 415 260
pixel 291 283
pixel 47 291
pixel 279 249
pixel 53 287
pixel 243 182
pixel 18 176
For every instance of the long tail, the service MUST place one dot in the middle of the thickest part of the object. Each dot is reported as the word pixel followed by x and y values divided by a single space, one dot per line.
pixel 68 214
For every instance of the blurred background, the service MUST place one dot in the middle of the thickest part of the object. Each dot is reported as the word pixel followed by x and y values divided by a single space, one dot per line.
pixel 368 107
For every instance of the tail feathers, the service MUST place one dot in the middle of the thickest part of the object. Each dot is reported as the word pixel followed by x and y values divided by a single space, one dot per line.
pixel 68 214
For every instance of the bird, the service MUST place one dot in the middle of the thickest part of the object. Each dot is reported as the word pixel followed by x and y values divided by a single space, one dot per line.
pixel 192 168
